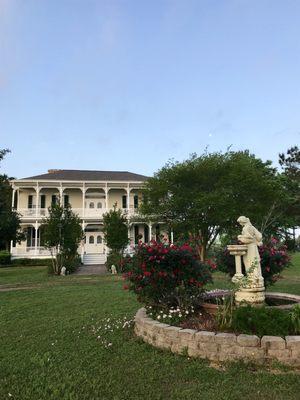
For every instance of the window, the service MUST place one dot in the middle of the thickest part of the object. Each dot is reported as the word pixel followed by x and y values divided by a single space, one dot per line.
pixel 91 240
pixel 92 205
pixel 99 205
pixel 53 199
pixel 43 201
pixel 99 239
pixel 66 200
pixel 30 201
pixel 136 201
pixel 124 201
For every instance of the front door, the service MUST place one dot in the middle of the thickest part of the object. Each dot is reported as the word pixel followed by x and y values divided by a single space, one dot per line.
pixel 93 243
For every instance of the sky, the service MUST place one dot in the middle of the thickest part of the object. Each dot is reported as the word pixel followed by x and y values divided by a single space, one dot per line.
pixel 129 84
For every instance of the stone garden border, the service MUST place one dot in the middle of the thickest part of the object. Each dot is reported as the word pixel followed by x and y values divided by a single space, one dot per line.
pixel 217 346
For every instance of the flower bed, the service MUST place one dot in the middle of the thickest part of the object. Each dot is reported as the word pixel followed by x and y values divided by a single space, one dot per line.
pixel 216 346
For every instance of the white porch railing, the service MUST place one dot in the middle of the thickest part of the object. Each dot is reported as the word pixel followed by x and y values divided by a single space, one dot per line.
pixel 30 251
pixel 32 213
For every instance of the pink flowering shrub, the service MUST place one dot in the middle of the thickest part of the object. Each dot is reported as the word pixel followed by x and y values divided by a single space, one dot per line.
pixel 274 259
pixel 164 275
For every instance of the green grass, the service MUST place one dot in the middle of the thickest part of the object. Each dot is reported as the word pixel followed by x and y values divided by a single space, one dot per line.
pixel 48 349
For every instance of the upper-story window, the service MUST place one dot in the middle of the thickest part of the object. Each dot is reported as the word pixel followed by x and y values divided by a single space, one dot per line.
pixel 43 201
pixel 136 201
pixel 124 201
pixel 99 204
pixel 92 204
pixel 99 239
pixel 30 201
pixel 91 240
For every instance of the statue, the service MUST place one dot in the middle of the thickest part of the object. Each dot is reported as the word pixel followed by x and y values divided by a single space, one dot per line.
pixel 251 285
pixel 252 238
pixel 63 271
pixel 113 270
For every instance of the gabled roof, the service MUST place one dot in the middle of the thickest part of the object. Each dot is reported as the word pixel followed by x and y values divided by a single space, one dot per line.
pixel 82 175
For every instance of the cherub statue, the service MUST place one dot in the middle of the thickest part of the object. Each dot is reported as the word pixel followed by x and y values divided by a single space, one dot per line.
pixel 113 270
pixel 252 238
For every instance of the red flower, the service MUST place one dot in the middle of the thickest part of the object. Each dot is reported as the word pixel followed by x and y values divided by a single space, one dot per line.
pixel 125 287
pixel 147 273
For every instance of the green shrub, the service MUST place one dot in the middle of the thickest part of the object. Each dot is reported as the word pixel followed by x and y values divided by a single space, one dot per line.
pixel 31 262
pixel 261 321
pixel 5 257
pixel 114 258
pixel 71 263
pixel 295 319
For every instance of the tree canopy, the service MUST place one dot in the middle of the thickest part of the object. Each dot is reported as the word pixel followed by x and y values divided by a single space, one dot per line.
pixel 115 230
pixel 9 219
pixel 61 234
pixel 204 195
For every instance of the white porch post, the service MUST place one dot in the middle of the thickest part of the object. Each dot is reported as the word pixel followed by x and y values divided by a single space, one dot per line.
pixel 18 199
pixel 82 245
pixel 172 237
pixel 13 197
pixel 106 197
pixel 37 200
pixel 128 197
pixel 83 202
pixel 61 194
pixel 150 232
pixel 36 227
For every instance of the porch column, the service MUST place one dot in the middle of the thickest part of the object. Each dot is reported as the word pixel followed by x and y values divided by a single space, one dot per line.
pixel 106 197
pixel 150 231
pixel 13 198
pixel 37 200
pixel 82 242
pixel 36 227
pixel 172 237
pixel 128 197
pixel 61 191
pixel 83 202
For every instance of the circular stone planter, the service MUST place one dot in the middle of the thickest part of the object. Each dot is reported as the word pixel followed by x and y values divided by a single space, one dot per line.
pixel 288 300
pixel 217 346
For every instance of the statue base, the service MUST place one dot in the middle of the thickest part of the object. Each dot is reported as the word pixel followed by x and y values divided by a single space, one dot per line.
pixel 253 296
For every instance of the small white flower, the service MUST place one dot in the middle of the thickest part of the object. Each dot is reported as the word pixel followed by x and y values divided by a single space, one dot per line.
pixel 179 315
pixel 187 312
pixel 164 316
pixel 158 317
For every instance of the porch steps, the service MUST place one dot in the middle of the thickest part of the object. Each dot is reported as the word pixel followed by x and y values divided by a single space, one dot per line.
pixel 89 259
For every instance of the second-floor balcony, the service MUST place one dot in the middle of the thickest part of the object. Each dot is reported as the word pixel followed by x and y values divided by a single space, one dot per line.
pixel 34 213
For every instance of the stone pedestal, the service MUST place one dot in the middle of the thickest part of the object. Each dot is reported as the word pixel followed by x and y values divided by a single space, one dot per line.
pixel 251 288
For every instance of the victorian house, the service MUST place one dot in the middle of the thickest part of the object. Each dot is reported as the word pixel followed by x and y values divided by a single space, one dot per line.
pixel 90 194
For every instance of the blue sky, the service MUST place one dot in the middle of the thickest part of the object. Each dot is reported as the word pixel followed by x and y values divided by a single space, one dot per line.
pixel 129 84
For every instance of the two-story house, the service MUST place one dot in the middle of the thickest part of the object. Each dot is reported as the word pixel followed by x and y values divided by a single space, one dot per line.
pixel 90 194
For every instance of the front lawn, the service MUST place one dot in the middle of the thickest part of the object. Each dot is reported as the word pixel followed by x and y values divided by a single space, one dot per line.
pixel 64 339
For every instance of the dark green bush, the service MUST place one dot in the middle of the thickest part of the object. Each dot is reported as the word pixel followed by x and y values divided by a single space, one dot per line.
pixel 5 257
pixel 31 262
pixel 114 258
pixel 261 321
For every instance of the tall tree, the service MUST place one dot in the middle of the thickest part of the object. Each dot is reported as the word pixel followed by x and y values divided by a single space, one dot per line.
pixel 9 220
pixel 290 163
pixel 204 195
pixel 61 234
pixel 115 230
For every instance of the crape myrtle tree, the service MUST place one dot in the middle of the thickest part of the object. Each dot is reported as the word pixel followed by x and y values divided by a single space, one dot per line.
pixel 115 229
pixel 203 196
pixel 9 219
pixel 290 163
pixel 61 234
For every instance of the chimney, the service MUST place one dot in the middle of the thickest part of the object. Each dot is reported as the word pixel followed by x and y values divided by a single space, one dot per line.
pixel 53 171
